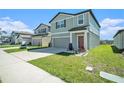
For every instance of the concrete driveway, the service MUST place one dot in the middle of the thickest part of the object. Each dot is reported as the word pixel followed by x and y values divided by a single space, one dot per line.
pixel 37 53
pixel 15 70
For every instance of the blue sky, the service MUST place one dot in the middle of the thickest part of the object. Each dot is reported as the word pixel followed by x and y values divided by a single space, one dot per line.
pixel 110 20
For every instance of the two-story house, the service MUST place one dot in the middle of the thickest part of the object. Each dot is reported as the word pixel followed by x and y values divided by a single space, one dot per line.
pixel 17 37
pixel 78 31
pixel 42 36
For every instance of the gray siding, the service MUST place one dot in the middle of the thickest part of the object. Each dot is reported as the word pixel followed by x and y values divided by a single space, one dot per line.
pixel 71 21
pixel 94 40
pixel 61 17
pixel 38 30
pixel 93 25
pixel 59 35
pixel 119 40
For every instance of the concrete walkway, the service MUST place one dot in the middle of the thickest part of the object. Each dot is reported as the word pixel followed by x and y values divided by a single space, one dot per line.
pixel 15 70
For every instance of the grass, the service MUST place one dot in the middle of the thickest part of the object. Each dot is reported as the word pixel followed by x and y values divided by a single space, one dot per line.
pixel 19 50
pixel 14 50
pixel 7 46
pixel 71 68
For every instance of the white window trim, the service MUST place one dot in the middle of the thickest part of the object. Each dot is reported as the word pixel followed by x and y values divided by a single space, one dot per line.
pixel 60 25
pixel 78 18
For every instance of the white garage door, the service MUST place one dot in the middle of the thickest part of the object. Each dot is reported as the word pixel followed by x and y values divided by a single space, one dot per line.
pixel 36 41
pixel 61 42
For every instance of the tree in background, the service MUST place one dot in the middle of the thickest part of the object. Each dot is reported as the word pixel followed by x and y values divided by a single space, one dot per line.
pixel 2 33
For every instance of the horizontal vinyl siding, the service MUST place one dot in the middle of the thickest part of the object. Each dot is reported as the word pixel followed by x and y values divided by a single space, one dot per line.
pixel 59 35
pixel 119 40
pixel 93 25
pixel 71 22
pixel 61 17
pixel 123 40
pixel 93 41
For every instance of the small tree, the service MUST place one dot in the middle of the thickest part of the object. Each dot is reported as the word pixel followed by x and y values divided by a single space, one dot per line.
pixel 2 32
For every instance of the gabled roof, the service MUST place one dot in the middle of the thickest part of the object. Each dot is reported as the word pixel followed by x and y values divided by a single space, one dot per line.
pixel 40 25
pixel 22 33
pixel 59 14
pixel 89 10
pixel 119 31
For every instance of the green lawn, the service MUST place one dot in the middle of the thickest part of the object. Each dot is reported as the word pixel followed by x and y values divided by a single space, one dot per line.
pixel 7 46
pixel 71 68
pixel 19 50
pixel 14 50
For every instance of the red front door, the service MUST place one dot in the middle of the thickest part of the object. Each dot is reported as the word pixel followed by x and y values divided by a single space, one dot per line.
pixel 81 43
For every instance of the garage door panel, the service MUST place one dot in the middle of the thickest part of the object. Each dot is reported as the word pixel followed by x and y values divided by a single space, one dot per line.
pixel 61 42
pixel 36 42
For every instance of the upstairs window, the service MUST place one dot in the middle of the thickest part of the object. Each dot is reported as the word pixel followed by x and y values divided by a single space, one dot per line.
pixel 80 19
pixel 61 24
pixel 38 31
pixel 43 30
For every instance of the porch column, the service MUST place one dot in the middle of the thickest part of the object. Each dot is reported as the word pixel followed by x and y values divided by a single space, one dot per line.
pixel 70 37
pixel 85 40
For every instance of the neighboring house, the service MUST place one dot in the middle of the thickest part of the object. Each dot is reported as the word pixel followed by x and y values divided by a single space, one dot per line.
pixel 19 37
pixel 41 35
pixel 78 31
pixel 106 42
pixel 119 39
pixel 5 39
pixel 13 36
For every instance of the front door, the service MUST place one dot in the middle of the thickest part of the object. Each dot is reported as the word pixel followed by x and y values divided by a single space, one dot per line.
pixel 81 43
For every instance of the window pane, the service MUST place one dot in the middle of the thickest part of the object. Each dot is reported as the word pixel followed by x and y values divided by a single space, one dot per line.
pixel 80 19
pixel 43 30
pixel 58 25
pixel 62 23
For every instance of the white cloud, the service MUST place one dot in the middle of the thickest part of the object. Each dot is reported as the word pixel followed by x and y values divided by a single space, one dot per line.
pixel 109 27
pixel 8 24
pixel 5 18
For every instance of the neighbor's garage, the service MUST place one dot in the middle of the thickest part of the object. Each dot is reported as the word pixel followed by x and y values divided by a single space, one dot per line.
pixel 36 41
pixel 61 42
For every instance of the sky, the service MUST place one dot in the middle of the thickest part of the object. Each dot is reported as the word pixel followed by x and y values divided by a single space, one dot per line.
pixel 111 20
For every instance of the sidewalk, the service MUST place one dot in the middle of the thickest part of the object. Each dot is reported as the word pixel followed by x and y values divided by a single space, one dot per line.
pixel 14 70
